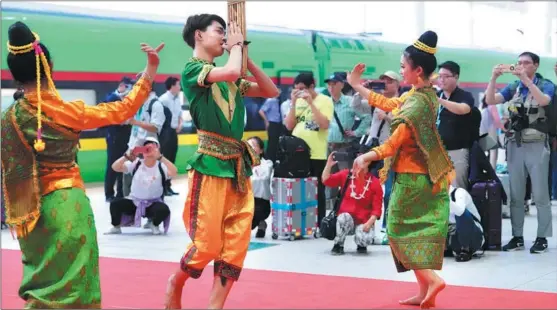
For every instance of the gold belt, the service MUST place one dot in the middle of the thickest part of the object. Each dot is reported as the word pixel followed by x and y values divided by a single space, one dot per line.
pixel 226 148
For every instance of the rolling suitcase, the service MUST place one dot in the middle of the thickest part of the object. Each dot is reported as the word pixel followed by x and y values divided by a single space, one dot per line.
pixel 488 201
pixel 294 207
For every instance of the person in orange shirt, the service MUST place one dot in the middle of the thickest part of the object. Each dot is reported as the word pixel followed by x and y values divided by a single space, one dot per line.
pixel 46 205
pixel 419 206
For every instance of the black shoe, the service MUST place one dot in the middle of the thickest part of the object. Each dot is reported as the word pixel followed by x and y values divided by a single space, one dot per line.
pixel 463 256
pixel 110 199
pixel 173 192
pixel 167 193
pixel 361 249
pixel 540 246
pixel 260 233
pixel 516 243
pixel 337 250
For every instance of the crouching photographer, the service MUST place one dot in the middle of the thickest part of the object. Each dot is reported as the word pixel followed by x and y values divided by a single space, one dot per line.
pixel 146 198
pixel 465 235
pixel 358 207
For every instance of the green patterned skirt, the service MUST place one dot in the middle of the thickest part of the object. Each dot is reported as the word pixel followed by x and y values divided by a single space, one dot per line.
pixel 417 223
pixel 61 256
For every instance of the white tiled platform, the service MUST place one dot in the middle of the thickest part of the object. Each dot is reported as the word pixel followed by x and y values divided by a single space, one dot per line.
pixel 517 270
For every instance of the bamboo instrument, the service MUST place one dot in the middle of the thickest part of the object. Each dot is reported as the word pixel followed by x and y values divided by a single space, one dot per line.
pixel 237 14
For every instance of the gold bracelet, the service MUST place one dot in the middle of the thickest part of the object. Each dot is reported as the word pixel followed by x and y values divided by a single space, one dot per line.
pixel 146 76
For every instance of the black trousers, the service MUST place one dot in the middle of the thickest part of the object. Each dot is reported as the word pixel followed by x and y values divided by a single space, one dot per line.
pixel 111 177
pixel 261 211
pixel 170 149
pixel 157 212
pixel 273 132
pixel 317 167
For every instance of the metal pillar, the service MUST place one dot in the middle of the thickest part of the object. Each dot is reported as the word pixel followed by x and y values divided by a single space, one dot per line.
pixel 420 17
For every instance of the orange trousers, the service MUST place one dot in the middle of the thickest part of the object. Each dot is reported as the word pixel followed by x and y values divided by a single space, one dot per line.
pixel 218 220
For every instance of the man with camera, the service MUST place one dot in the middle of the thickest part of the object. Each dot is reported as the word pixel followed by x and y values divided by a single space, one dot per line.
pixel 527 144
pixel 454 120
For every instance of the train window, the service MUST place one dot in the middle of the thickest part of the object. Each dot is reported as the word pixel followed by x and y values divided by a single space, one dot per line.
pixel 335 44
pixel 346 44
pixel 359 45
pixel 7 97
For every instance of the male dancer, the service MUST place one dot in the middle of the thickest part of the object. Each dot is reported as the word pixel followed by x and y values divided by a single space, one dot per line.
pixel 219 206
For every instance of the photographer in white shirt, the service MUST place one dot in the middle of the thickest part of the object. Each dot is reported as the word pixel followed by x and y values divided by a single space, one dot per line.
pixel 146 198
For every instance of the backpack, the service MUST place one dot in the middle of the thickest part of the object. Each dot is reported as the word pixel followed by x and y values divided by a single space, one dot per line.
pixel 161 171
pixel 293 158
pixel 550 109
pixel 167 119
pixel 474 125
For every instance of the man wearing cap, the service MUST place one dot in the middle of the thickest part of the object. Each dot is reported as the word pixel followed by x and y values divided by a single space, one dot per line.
pixel 341 130
pixel 380 129
pixel 454 120
pixel 116 138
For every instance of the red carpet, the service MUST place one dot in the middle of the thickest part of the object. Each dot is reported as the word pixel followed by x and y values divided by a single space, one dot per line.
pixel 141 284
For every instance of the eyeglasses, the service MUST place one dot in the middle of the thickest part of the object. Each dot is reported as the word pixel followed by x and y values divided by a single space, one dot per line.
pixel 444 77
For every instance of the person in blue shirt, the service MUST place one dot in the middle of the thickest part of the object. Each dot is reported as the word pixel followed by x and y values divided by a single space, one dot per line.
pixel 116 144
pixel 527 144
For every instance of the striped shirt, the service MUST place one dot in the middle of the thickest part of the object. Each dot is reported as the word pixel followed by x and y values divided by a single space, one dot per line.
pixel 347 116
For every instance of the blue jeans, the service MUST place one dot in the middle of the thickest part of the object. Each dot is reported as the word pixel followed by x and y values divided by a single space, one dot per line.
pixel 387 196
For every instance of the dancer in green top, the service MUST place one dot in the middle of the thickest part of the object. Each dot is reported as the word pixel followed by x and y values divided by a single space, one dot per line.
pixel 219 207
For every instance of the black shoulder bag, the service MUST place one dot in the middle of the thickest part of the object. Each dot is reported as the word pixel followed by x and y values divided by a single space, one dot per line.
pixel 328 227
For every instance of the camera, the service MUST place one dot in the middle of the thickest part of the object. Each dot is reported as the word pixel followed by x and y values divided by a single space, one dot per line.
pixel 518 122
pixel 375 86
pixel 347 155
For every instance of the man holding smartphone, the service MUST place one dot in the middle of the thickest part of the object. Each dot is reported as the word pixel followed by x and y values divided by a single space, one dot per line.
pixel 309 118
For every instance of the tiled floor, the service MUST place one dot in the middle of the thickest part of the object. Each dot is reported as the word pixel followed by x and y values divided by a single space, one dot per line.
pixel 517 270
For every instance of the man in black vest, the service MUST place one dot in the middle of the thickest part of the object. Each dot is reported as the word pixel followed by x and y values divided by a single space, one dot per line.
pixel 454 120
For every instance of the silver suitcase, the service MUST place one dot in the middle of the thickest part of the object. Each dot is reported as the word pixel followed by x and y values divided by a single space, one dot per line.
pixel 294 207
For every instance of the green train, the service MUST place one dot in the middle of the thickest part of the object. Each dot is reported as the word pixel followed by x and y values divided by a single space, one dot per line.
pixel 92 53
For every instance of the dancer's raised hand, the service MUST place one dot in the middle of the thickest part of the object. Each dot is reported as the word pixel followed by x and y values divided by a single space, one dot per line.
pixel 354 77
pixel 153 58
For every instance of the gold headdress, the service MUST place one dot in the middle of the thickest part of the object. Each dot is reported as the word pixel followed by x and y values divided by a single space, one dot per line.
pixel 424 48
pixel 40 57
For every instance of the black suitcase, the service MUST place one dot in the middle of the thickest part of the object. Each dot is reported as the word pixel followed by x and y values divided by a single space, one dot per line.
pixel 488 201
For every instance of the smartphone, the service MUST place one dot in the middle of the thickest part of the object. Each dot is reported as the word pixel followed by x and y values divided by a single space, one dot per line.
pixel 507 68
pixel 341 157
pixel 141 150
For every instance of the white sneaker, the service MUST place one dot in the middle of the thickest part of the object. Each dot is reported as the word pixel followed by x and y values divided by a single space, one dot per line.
pixel 114 231
pixel 155 230
pixel 148 225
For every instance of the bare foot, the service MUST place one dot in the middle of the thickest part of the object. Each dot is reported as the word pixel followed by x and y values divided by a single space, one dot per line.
pixel 412 301
pixel 435 287
pixel 173 298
